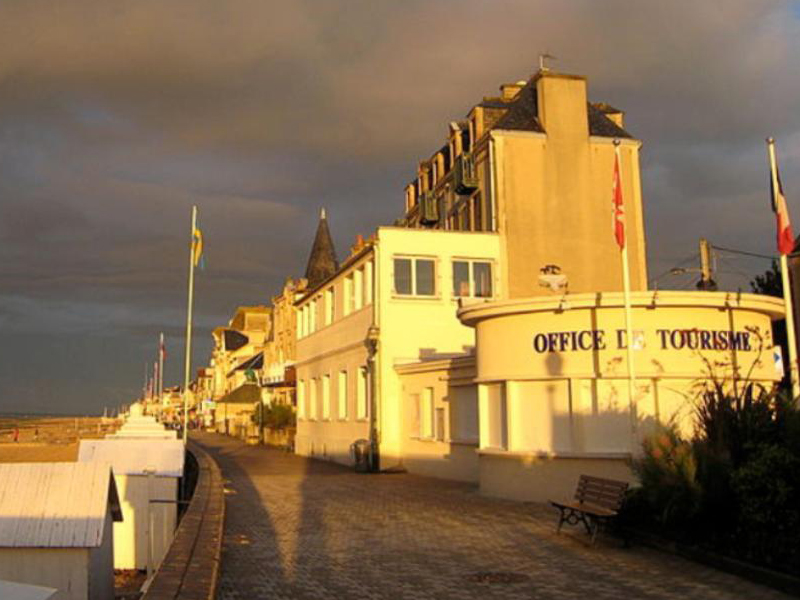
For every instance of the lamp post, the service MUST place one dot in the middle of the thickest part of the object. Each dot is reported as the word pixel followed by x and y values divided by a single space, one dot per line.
pixel 372 342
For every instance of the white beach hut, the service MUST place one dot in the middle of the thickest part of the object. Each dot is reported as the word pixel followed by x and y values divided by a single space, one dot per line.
pixel 143 427
pixel 56 527
pixel 147 472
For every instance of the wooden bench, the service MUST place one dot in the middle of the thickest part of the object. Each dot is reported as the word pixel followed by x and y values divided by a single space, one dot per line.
pixel 596 502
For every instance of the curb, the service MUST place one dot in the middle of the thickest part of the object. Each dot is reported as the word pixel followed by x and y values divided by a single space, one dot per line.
pixel 190 570
pixel 777 580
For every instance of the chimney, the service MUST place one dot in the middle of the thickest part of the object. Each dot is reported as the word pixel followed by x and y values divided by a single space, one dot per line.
pixel 562 104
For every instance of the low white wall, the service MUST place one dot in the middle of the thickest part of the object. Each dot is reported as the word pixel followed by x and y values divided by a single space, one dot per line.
pixel 527 477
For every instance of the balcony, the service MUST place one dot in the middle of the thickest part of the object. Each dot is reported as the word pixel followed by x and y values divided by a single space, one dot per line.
pixel 429 209
pixel 465 177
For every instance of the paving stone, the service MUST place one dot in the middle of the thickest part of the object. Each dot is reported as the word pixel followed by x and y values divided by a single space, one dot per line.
pixel 305 529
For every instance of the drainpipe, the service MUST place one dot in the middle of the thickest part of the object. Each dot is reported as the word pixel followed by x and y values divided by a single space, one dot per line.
pixel 372 344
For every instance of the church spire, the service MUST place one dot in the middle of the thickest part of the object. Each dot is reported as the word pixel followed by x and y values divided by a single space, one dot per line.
pixel 322 261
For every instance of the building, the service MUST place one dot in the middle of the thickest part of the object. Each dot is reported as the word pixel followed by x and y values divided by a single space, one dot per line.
pixel 393 301
pixel 146 472
pixel 483 337
pixel 241 340
pixel 550 380
pixel 534 166
pixel 278 373
pixel 56 527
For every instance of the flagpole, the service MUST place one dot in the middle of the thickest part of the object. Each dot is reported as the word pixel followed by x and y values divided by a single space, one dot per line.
pixel 188 361
pixel 626 284
pixel 161 366
pixel 794 376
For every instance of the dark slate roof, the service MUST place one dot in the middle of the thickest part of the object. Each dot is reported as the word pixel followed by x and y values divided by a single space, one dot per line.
pixel 322 261
pixel 234 339
pixel 494 103
pixel 523 115
pixel 247 393
pixel 523 111
pixel 254 362
pixel 601 125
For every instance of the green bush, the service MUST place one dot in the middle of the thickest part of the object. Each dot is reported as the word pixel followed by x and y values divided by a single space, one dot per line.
pixel 274 416
pixel 767 491
pixel 735 488
pixel 668 474
pixel 732 424
pixel 280 416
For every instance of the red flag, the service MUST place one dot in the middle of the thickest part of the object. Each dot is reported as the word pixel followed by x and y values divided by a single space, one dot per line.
pixel 785 235
pixel 617 208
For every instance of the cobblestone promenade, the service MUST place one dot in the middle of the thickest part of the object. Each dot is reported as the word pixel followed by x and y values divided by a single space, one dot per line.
pixel 298 528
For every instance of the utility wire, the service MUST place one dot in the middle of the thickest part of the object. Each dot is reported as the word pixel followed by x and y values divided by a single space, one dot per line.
pixel 743 252
pixel 689 259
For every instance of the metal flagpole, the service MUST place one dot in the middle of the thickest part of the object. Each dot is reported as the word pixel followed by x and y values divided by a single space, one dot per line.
pixel 626 282
pixel 161 366
pixel 155 380
pixel 188 361
pixel 794 376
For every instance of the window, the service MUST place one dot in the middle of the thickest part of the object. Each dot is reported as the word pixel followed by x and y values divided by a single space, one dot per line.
pixel 464 426
pixel 341 395
pixel 330 306
pixel 301 399
pixel 426 414
pixel 300 323
pixel 439 424
pixel 496 416
pixel 358 289
pixel 414 276
pixel 348 294
pixel 312 399
pixel 472 278
pixel 362 393
pixel 402 276
pixel 368 283
pixel 326 397
pixel 312 320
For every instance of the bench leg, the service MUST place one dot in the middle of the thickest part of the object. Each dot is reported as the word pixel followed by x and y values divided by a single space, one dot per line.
pixel 595 526
pixel 561 520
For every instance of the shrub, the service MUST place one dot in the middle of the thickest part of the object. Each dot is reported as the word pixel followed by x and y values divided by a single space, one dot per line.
pixel 274 416
pixel 767 491
pixel 733 423
pixel 668 474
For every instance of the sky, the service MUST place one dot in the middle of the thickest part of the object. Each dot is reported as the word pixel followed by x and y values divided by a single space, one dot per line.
pixel 116 117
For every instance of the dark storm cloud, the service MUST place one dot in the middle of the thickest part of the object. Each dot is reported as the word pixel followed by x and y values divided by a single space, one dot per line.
pixel 116 117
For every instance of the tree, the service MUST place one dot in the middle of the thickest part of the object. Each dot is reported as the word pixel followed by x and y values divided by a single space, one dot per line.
pixel 769 282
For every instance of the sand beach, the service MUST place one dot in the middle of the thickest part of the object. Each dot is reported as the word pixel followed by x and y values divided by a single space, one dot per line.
pixel 48 438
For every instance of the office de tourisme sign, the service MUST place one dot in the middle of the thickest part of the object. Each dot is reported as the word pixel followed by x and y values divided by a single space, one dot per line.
pixel 667 339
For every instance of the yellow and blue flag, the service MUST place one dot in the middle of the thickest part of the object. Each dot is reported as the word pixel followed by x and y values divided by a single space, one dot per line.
pixel 197 248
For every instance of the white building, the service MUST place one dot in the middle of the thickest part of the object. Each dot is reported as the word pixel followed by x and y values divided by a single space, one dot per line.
pixel 147 473
pixel 56 527
pixel 392 302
